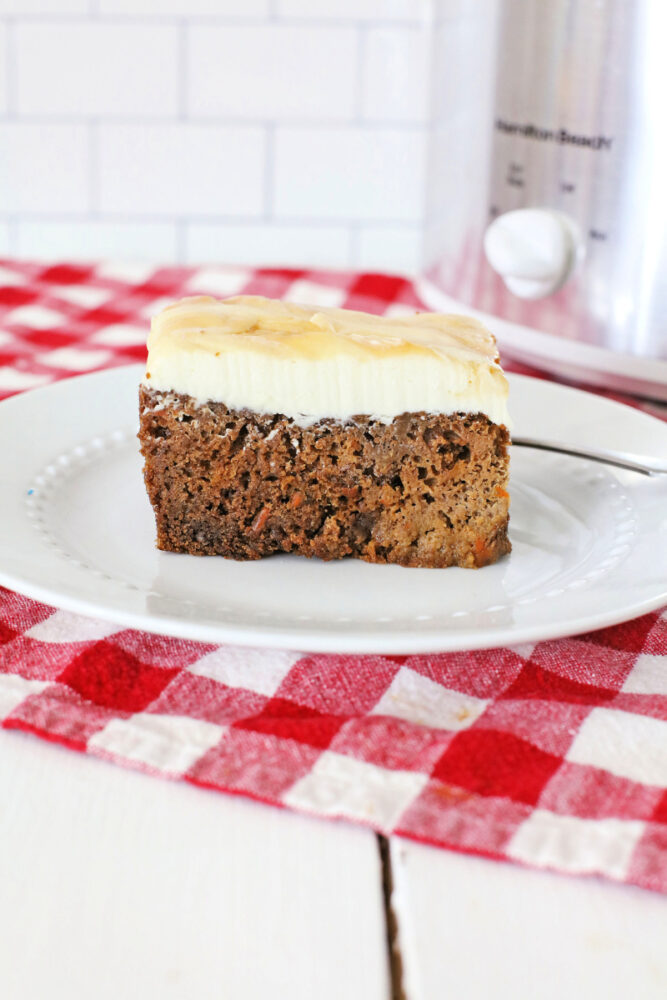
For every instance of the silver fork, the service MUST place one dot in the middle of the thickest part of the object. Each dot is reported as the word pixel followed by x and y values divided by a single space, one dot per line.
pixel 647 466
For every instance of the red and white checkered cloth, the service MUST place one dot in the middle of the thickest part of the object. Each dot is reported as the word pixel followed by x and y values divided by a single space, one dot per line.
pixel 552 754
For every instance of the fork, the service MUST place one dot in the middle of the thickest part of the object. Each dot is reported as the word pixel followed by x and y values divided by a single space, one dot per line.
pixel 647 466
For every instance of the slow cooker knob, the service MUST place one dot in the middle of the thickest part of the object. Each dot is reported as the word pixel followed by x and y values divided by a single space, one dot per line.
pixel 534 250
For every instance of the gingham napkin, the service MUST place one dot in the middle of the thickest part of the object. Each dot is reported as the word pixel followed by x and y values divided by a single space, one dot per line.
pixel 552 754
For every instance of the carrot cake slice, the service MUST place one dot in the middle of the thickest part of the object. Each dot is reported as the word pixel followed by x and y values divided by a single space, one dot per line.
pixel 269 427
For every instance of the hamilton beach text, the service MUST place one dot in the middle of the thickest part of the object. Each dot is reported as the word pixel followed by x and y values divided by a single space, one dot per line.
pixel 559 135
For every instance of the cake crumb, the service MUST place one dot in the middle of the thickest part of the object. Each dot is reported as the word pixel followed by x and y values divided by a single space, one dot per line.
pixel 424 489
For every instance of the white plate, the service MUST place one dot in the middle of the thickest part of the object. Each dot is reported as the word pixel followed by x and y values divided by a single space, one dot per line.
pixel 76 530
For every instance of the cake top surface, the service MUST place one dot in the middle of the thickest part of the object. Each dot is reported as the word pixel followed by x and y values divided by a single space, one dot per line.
pixel 306 362
pixel 252 322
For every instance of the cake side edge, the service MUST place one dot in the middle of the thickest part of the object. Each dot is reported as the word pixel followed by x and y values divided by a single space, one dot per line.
pixel 423 490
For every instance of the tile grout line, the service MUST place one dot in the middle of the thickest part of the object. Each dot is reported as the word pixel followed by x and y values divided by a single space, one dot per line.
pixel 392 935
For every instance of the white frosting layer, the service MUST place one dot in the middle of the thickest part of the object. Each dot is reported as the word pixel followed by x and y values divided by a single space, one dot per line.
pixel 309 363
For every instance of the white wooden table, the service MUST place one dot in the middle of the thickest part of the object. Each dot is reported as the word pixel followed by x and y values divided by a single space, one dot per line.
pixel 118 885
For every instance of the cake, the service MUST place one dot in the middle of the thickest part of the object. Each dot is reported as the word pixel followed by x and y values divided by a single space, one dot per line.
pixel 268 427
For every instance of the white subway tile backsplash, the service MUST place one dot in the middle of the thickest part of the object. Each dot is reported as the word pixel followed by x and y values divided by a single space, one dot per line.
pixel 349 173
pixel 43 168
pixel 396 74
pixel 90 240
pixel 21 8
pixel 390 248
pixel 283 132
pixel 453 89
pixel 358 10
pixel 187 8
pixel 272 71
pixel 4 65
pixel 181 169
pixel 269 244
pixel 481 11
pixel 96 69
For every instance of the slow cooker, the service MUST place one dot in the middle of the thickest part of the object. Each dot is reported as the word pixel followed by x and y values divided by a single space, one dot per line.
pixel 565 243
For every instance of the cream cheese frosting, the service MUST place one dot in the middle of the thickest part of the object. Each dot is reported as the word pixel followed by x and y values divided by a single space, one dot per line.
pixel 308 363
